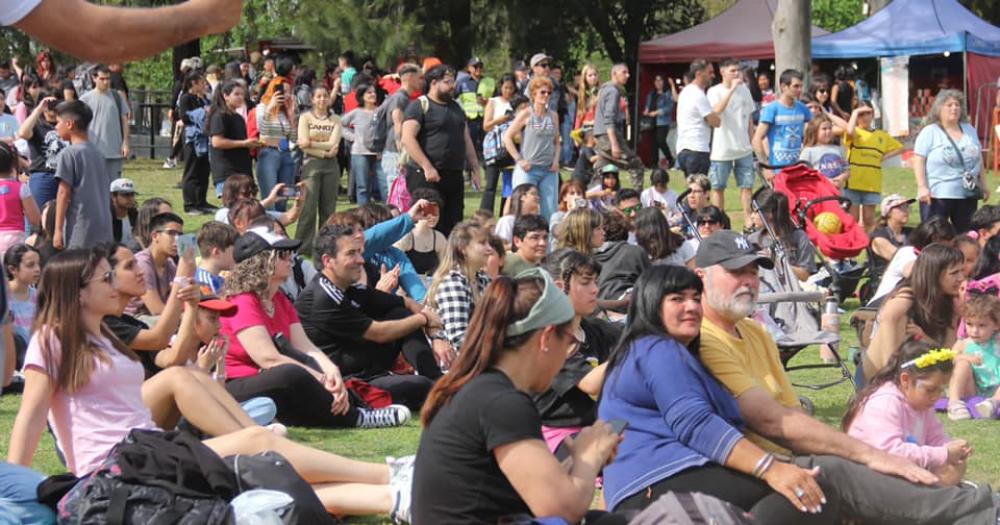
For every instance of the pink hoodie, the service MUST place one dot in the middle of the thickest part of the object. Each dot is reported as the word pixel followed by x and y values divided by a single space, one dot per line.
pixel 887 422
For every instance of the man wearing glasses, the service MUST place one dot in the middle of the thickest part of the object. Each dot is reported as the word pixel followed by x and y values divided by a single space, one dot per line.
pixel 609 127
pixel 157 265
pixel 541 66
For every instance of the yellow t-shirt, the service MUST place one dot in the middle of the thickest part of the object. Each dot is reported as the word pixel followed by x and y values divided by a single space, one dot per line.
pixel 749 361
pixel 864 153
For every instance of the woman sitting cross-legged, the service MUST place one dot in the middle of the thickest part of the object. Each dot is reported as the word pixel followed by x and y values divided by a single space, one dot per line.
pixel 482 458
pixel 89 385
pixel 270 354
pixel 685 433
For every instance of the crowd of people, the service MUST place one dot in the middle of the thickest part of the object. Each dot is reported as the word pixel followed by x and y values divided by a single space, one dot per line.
pixel 532 345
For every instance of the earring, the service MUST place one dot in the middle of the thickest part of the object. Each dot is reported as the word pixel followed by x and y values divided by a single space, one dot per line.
pixel 545 349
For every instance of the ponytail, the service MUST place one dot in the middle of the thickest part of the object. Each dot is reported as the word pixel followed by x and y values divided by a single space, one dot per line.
pixel 504 302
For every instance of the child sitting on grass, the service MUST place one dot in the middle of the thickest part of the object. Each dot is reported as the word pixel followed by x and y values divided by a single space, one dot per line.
pixel 895 412
pixel 977 365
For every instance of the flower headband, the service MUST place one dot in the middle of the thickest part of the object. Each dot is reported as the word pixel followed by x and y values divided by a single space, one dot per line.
pixel 931 358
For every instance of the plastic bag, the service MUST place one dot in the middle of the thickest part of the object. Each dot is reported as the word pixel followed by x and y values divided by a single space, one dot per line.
pixel 260 507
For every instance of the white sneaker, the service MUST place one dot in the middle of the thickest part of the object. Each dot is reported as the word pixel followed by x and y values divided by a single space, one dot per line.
pixel 169 164
pixel 986 408
pixel 390 416
pixel 401 484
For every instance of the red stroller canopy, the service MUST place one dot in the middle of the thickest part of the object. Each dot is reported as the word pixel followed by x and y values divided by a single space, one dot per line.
pixel 802 185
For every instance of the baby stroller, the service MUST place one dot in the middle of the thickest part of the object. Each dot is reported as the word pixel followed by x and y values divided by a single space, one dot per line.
pixel 790 314
pixel 810 193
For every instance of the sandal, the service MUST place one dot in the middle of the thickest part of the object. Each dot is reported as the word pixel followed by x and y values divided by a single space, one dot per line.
pixel 957 411
pixel 986 408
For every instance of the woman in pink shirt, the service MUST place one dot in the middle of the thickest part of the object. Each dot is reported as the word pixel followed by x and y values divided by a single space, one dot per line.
pixel 15 201
pixel 89 385
pixel 895 412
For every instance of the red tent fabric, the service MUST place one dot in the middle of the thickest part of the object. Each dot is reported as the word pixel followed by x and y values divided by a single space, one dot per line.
pixel 742 31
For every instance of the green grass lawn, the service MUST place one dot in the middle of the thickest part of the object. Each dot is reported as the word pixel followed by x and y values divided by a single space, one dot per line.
pixel 374 445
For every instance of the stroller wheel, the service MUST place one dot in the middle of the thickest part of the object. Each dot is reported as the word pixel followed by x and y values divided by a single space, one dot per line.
pixel 807 405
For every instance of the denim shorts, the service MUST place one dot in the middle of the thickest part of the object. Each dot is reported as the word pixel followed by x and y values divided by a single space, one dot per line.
pixel 719 172
pixel 865 198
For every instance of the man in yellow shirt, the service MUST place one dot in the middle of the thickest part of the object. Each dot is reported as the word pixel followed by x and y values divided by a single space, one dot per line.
pixel 743 357
pixel 866 149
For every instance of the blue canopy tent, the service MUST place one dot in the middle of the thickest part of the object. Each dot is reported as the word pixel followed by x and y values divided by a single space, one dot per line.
pixel 927 27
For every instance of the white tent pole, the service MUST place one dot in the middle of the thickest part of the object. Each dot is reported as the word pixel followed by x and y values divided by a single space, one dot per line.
pixel 965 74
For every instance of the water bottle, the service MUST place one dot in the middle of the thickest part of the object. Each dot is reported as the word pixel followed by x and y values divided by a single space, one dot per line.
pixel 830 321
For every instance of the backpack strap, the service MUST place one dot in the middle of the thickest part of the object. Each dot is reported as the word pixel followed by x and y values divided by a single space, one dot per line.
pixel 116 506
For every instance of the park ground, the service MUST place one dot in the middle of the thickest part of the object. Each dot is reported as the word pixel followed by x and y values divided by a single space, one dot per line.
pixel 373 445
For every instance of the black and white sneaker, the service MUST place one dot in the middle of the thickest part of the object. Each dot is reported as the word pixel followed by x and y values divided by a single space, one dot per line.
pixel 390 416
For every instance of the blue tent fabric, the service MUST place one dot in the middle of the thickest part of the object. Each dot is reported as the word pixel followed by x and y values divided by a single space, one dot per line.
pixel 912 27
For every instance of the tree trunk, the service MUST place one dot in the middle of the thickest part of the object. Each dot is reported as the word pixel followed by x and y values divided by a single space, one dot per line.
pixel 791 33
pixel 875 5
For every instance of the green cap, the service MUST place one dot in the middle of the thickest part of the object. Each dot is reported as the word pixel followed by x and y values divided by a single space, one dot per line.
pixel 552 308
pixel 610 168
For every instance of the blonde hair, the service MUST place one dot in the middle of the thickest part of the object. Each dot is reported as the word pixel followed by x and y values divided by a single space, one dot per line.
pixel 577 229
pixel 812 129
pixel 464 234
pixel 252 275
pixel 943 96
pixel 585 98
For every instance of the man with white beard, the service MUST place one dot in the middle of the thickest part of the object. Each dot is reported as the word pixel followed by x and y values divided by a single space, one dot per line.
pixel 740 353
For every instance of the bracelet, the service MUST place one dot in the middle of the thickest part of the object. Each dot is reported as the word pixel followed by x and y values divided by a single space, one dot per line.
pixel 763 465
pixel 438 336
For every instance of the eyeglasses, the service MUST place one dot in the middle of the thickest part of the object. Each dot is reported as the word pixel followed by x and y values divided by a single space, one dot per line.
pixel 822 90
pixel 544 64
pixel 108 277
pixel 632 209
pixel 707 222
pixel 544 93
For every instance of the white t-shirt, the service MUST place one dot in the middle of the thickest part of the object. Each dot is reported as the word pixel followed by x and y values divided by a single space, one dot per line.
pixel 650 196
pixel 692 131
pixel 894 272
pixel 505 228
pixel 12 11
pixel 731 140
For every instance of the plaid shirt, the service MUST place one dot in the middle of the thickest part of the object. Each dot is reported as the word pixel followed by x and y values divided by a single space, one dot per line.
pixel 454 303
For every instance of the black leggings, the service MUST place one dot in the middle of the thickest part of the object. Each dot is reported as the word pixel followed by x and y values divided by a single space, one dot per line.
pixel 660 143
pixel 301 399
pixel 494 186
pixel 742 490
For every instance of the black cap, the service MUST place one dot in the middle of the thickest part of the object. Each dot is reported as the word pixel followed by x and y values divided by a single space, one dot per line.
pixel 257 240
pixel 731 250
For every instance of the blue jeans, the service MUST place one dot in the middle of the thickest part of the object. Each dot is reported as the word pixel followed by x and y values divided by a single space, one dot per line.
pixel 390 171
pixel 547 183
pixel 362 167
pixel 719 170
pixel 274 166
pixel 43 186
pixel 18 496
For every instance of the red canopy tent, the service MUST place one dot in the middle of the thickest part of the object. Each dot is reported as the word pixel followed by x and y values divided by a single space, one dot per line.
pixel 743 31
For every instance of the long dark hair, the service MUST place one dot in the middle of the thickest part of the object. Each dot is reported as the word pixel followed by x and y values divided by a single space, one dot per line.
pixel 59 316
pixel 932 310
pixel 515 197
pixel 934 229
pixel 774 206
pixel 644 312
pixel 908 351
pixel 504 302
pixel 989 259
pixel 218 97
pixel 653 234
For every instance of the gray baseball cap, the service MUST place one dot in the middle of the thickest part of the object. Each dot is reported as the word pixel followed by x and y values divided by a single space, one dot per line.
pixel 731 250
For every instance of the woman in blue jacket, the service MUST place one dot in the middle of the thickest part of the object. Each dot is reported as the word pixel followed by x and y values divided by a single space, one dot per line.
pixel 684 429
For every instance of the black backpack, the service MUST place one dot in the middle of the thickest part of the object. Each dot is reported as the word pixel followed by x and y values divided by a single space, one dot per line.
pixel 273 472
pixel 381 123
pixel 154 478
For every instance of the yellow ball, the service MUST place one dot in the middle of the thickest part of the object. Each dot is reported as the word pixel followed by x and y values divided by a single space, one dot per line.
pixel 828 222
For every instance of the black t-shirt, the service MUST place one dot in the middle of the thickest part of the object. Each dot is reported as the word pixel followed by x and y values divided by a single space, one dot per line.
pixel 43 146
pixel 442 133
pixel 884 233
pixel 226 162
pixel 126 328
pixel 564 405
pixel 118 83
pixel 336 320
pixel 456 478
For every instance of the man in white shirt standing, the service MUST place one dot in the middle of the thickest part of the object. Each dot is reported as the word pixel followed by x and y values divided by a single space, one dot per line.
pixel 732 151
pixel 696 116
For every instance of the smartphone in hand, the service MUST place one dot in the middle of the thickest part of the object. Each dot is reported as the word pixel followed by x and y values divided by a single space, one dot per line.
pixel 290 192
pixel 185 242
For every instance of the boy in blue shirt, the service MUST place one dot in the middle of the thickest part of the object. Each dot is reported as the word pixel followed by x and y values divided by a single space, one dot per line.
pixel 215 242
pixel 783 122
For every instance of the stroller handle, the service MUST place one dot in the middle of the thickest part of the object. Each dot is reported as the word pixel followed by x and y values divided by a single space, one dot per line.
pixel 766 166
pixel 844 202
